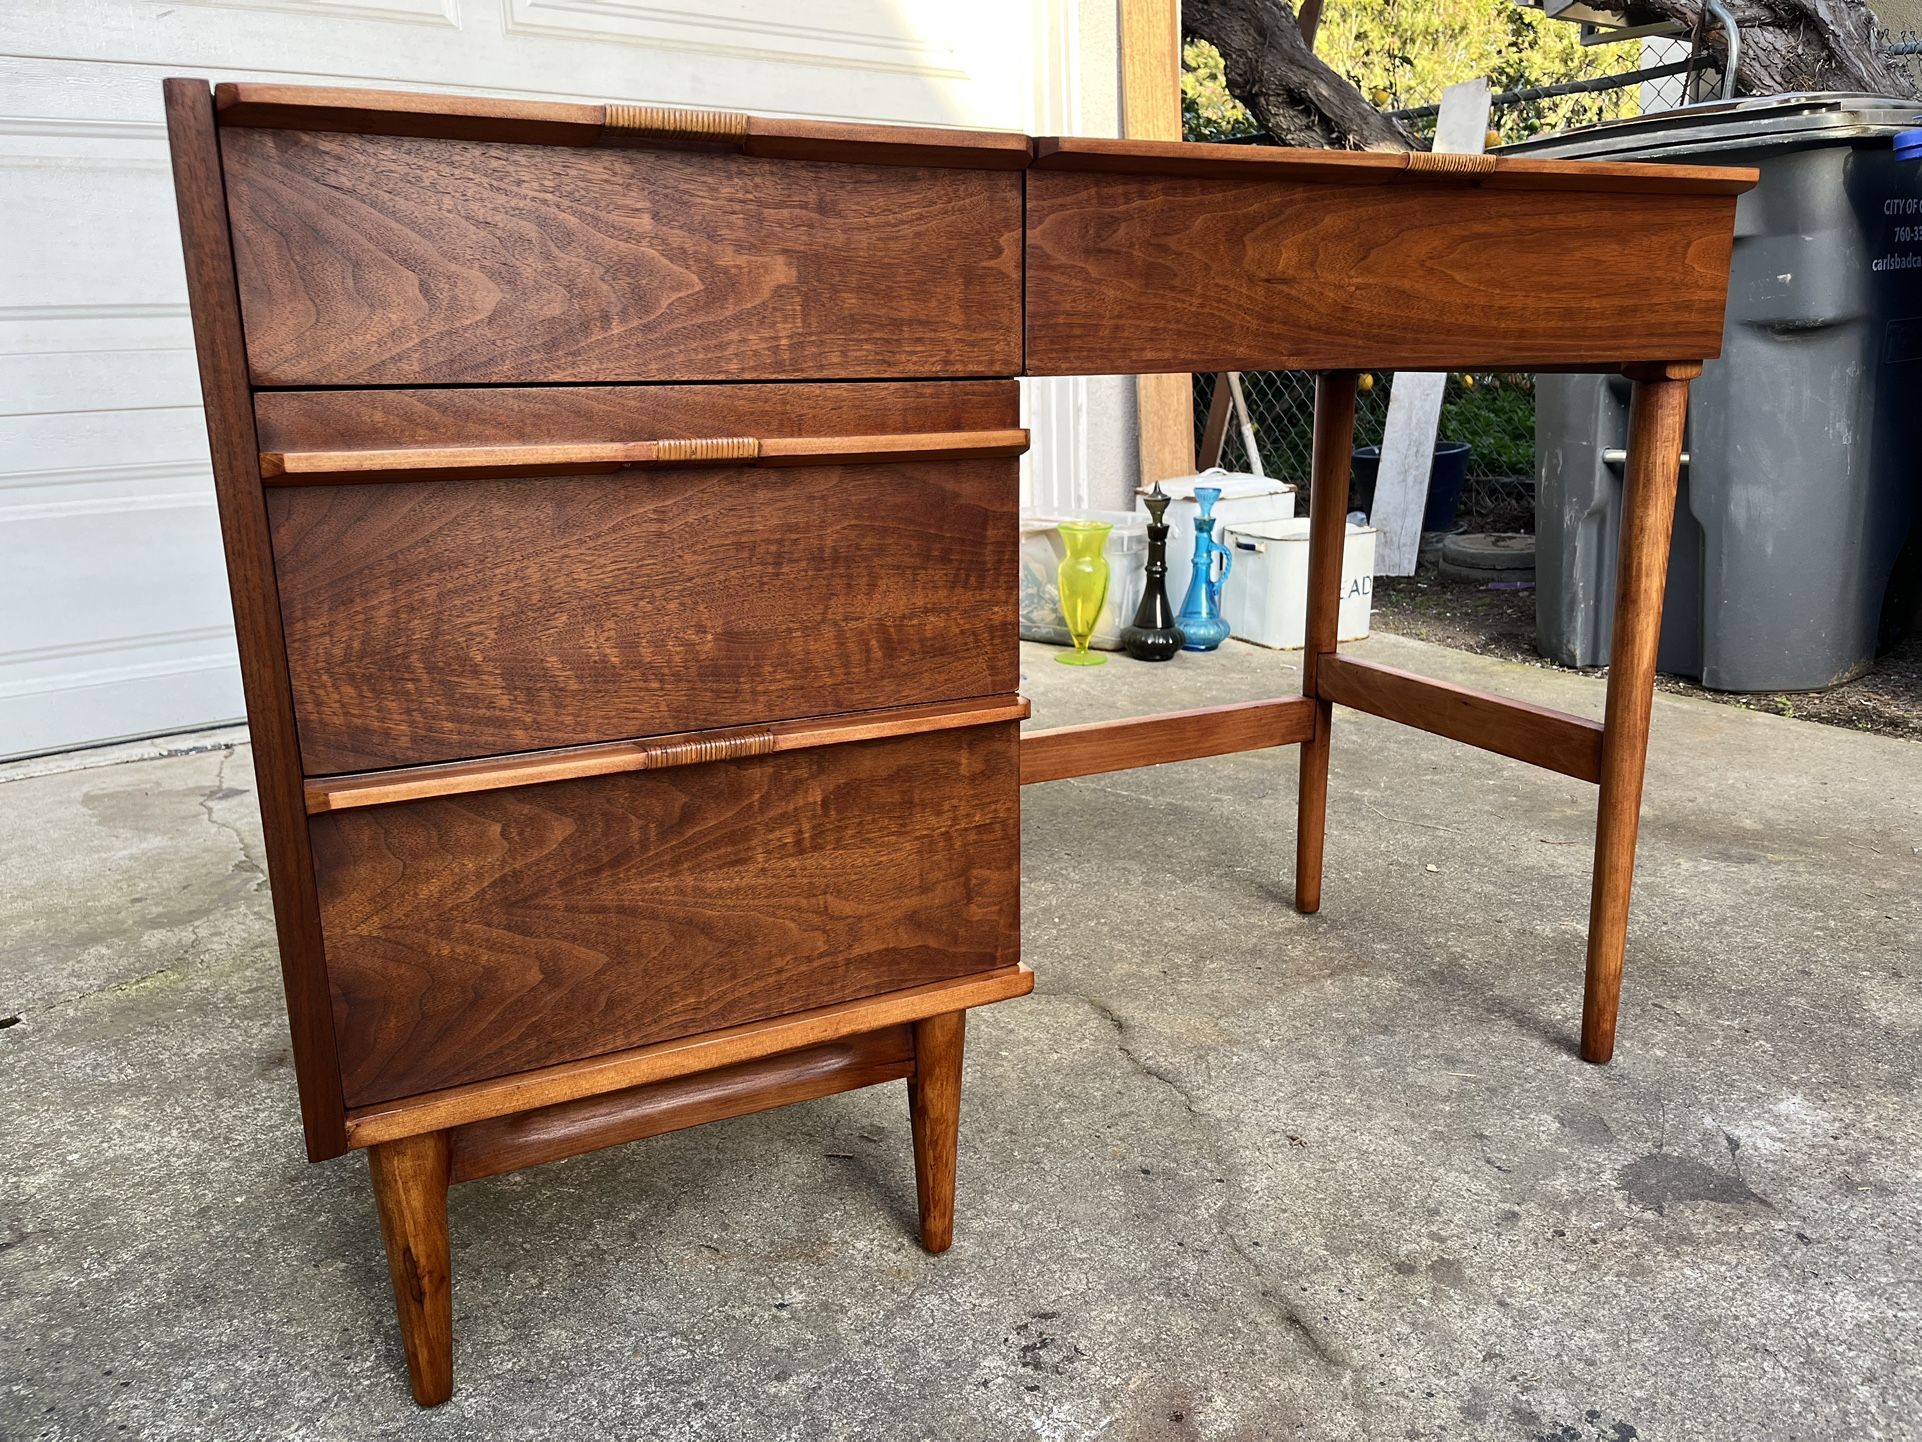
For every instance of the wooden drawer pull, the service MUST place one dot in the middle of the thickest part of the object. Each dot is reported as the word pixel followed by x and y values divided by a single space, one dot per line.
pixel 612 758
pixel 720 448
pixel 1442 163
pixel 422 463
pixel 648 124
pixel 694 750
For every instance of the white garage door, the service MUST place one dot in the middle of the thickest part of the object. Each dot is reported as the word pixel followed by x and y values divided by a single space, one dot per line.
pixel 114 619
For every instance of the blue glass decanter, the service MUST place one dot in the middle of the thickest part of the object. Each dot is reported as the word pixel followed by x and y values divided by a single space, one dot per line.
pixel 1202 628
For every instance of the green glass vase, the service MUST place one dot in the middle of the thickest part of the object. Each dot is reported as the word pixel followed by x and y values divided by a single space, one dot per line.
pixel 1083 581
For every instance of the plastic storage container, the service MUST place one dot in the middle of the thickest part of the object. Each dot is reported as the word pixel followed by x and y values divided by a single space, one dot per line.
pixel 1041 553
pixel 1266 599
pixel 1800 489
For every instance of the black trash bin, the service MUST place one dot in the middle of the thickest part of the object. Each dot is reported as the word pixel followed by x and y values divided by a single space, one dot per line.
pixel 1447 473
pixel 1800 488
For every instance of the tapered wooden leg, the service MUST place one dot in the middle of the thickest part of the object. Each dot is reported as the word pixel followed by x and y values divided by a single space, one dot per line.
pixel 1658 407
pixel 934 1109
pixel 1327 533
pixel 410 1188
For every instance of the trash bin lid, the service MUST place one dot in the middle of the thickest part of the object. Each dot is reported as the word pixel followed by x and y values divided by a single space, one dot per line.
pixel 1759 122
pixel 1908 144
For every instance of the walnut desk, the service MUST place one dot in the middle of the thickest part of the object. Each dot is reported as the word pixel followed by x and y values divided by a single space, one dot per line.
pixel 620 512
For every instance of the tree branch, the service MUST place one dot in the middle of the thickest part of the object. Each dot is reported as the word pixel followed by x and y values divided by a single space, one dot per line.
pixel 1270 69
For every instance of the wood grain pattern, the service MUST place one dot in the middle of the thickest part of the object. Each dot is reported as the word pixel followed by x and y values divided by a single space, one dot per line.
pixel 534 768
pixel 410 1191
pixel 250 578
pixel 305 468
pixel 380 260
pixel 470 937
pixel 436 621
pixel 1334 439
pixel 1658 413
pixel 934 1114
pixel 685 1056
pixel 505 1144
pixel 1372 167
pixel 1131 272
pixel 1542 737
pixel 1064 751
pixel 476 117
pixel 593 415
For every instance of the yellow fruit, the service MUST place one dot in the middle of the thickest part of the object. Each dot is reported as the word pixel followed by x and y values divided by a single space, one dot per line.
pixel 1378 96
pixel 1366 383
pixel 1468 382
pixel 1492 139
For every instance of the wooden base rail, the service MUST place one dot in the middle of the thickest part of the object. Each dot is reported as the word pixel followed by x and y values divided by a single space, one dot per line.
pixel 1065 751
pixel 493 773
pixel 1542 737
pixel 506 1144
pixel 427 463
pixel 639 1066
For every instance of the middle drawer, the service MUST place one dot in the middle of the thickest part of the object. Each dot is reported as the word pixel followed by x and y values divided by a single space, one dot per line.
pixel 478 609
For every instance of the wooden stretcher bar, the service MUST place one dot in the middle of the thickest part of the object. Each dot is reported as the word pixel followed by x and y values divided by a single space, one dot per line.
pixel 1542 737
pixel 1065 751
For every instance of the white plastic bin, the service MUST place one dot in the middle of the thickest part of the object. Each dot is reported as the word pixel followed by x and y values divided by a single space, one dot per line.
pixel 1266 600
pixel 1244 499
pixel 1042 551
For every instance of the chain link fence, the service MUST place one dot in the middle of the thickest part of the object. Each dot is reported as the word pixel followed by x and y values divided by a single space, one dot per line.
pixel 1493 414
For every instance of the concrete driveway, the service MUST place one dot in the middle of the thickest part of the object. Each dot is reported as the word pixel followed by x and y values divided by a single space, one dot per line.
pixel 1230 1173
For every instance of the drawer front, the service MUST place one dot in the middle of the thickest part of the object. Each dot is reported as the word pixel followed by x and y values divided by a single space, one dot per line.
pixel 438 620
pixel 1151 273
pixel 485 934
pixel 383 260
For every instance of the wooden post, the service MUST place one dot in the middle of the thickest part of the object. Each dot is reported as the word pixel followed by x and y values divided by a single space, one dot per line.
pixel 1150 40
pixel 1214 434
pixel 1658 408
pixel 934 1111
pixel 410 1188
pixel 1327 533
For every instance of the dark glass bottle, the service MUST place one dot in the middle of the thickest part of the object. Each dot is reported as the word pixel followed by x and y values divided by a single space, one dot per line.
pixel 1154 635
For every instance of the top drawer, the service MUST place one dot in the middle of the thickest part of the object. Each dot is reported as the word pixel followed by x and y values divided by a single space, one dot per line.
pixel 377 259
pixel 1150 257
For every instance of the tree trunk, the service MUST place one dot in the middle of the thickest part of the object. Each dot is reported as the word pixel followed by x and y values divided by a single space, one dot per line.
pixel 1271 70
pixel 1793 45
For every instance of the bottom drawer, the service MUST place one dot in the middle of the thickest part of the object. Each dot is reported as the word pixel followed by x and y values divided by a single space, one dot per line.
pixel 479 935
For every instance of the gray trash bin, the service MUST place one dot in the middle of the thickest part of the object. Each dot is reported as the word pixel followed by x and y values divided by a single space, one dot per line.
pixel 1801 491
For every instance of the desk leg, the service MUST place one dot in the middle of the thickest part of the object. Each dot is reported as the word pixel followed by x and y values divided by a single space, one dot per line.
pixel 410 1188
pixel 1327 531
pixel 1657 410
pixel 934 1112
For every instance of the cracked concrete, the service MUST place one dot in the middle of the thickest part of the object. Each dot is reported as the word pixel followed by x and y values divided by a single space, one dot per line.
pixel 1230 1173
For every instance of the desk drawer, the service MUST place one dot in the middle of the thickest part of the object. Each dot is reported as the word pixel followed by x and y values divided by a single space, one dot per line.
pixel 1201 258
pixel 436 619
pixel 404 260
pixel 482 934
